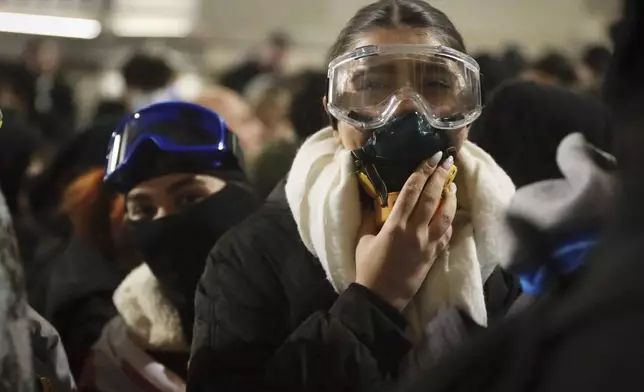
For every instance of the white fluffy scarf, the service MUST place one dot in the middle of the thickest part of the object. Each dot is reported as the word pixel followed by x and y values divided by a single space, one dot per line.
pixel 323 194
pixel 150 318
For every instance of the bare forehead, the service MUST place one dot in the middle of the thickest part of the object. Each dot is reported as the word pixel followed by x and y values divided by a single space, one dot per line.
pixel 397 36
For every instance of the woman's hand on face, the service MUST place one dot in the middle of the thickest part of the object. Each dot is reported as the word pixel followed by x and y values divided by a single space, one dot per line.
pixel 394 262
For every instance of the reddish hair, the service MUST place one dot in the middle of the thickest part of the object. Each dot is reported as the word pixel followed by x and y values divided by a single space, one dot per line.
pixel 94 211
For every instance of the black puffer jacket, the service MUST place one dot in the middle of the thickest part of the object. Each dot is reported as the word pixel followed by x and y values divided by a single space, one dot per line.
pixel 74 292
pixel 268 319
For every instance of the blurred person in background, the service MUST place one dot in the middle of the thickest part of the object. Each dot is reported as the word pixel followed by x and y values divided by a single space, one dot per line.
pixel 553 68
pixel 109 108
pixel 148 80
pixel 267 61
pixel 21 148
pixel 262 126
pixel 514 60
pixel 596 60
pixel 183 189
pixel 250 131
pixel 29 68
pixel 271 166
pixel 493 73
pixel 52 105
pixel 271 106
pixel 305 116
pixel 524 123
pixel 20 141
pixel 345 262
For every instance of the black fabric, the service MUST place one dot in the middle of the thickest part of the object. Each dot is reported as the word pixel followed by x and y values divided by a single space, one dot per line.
pixel 81 154
pixel 494 71
pixel 57 123
pixel 74 292
pixel 19 142
pixel 238 77
pixel 524 122
pixel 306 114
pixel 176 247
pixel 448 330
pixel 501 291
pixel 510 356
pixel 174 361
pixel 585 338
pixel 268 319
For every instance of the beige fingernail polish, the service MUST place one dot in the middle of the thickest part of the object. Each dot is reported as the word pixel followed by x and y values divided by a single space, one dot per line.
pixel 433 161
pixel 448 163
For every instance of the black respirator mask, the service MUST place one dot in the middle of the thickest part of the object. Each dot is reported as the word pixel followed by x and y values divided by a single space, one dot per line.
pixel 393 152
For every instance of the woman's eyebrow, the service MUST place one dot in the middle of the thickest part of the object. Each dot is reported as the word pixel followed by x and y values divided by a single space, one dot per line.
pixel 137 198
pixel 384 69
pixel 182 183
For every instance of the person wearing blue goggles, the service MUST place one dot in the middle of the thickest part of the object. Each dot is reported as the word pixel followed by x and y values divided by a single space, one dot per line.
pixel 175 164
pixel 186 134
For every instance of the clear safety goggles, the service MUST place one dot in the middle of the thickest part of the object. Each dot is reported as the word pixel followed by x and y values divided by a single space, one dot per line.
pixel 370 85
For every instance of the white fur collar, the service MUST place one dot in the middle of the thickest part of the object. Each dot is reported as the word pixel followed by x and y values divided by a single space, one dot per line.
pixel 323 195
pixel 150 318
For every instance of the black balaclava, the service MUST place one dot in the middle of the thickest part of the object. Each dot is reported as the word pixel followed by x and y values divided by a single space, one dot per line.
pixel 176 247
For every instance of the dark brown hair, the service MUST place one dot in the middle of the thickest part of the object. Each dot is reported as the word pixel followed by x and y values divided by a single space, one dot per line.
pixel 389 14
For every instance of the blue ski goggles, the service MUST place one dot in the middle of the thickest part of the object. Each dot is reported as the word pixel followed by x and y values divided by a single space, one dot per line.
pixel 179 128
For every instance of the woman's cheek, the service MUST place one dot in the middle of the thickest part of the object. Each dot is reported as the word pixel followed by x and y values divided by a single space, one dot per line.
pixel 350 137
pixel 460 136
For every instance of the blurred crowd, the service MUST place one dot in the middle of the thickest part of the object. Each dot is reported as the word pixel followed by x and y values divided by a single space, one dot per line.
pixel 270 233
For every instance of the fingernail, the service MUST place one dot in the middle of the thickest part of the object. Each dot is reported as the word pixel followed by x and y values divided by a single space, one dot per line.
pixel 433 161
pixel 448 163
pixel 452 187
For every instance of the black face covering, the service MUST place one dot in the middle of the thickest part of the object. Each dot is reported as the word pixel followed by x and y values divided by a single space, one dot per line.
pixel 395 150
pixel 176 247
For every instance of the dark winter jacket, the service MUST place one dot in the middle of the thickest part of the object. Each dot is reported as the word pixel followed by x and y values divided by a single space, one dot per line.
pixel 75 294
pixel 268 319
